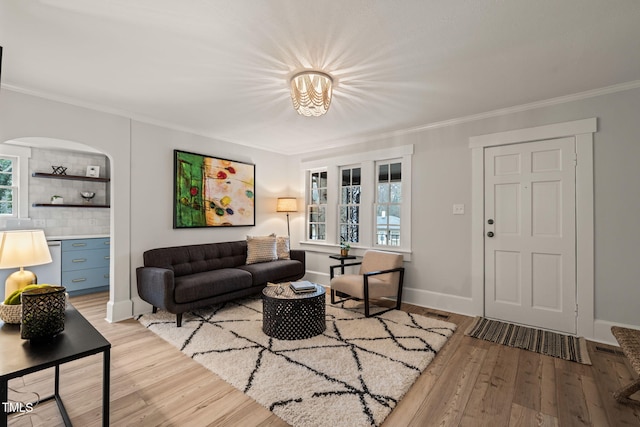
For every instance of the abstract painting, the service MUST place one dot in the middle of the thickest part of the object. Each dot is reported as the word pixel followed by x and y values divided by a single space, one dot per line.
pixel 212 192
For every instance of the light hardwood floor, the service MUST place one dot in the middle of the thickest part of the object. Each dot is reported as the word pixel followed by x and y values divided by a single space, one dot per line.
pixel 469 383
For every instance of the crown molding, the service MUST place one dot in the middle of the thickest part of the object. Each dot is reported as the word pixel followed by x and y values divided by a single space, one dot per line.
pixel 339 143
pixel 489 114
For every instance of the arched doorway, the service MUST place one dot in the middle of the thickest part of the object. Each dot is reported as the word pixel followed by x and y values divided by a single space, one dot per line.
pixel 76 217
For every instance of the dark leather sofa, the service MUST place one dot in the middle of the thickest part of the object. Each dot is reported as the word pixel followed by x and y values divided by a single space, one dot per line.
pixel 182 278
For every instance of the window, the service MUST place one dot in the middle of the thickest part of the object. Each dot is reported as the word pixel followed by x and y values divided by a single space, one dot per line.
pixel 317 206
pixel 388 203
pixel 349 205
pixel 8 186
pixel 360 198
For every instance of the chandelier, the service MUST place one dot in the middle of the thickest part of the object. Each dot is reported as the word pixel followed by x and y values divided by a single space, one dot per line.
pixel 311 92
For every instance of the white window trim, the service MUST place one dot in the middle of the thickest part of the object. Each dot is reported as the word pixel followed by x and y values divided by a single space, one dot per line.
pixel 307 203
pixel 23 154
pixel 366 160
pixel 360 206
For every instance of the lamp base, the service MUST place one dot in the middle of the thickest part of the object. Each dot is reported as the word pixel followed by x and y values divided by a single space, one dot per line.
pixel 19 280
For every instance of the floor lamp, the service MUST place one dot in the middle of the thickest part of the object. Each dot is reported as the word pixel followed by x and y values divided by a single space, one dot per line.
pixel 287 204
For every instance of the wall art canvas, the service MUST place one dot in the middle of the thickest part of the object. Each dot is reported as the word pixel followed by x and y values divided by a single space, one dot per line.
pixel 212 192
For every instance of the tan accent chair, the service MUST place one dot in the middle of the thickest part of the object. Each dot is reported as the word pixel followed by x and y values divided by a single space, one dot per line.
pixel 381 275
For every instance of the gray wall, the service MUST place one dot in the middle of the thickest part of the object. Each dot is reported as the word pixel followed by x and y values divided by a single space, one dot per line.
pixel 439 273
pixel 141 159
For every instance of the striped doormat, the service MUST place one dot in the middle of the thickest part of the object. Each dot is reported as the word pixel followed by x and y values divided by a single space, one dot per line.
pixel 553 344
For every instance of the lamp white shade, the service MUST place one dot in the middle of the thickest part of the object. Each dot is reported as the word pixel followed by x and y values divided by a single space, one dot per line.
pixel 22 248
pixel 287 204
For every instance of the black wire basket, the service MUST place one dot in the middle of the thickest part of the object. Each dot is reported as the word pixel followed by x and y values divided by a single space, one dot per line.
pixel 43 313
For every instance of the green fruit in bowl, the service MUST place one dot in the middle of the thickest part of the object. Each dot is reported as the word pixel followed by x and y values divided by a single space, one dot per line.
pixel 14 297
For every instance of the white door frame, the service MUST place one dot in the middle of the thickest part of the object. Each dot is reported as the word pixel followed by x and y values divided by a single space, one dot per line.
pixel 583 131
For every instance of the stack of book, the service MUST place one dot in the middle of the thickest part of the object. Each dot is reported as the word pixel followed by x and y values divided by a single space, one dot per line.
pixel 302 287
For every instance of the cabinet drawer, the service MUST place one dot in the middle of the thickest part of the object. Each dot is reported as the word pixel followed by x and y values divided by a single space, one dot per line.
pixel 85 279
pixel 84 244
pixel 82 260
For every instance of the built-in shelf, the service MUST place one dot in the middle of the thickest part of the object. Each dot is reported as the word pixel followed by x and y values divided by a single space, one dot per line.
pixel 74 178
pixel 70 177
pixel 68 205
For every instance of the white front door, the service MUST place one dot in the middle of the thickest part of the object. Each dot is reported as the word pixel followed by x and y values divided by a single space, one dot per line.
pixel 530 252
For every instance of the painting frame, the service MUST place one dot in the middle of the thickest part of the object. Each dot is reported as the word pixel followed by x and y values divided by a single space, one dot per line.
pixel 210 191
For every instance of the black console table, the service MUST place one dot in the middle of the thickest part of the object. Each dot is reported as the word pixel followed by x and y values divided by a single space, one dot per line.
pixel 20 357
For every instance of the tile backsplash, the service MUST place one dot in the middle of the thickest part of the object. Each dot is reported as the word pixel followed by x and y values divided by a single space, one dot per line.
pixel 67 221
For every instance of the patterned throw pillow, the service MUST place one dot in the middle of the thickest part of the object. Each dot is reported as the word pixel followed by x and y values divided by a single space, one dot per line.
pixel 282 245
pixel 261 249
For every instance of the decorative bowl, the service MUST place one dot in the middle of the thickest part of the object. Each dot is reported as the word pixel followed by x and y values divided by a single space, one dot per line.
pixel 11 313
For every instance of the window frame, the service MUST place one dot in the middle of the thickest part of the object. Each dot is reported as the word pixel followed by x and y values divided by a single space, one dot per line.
pixel 14 187
pixel 309 205
pixel 367 161
pixel 21 176
pixel 389 204
pixel 350 205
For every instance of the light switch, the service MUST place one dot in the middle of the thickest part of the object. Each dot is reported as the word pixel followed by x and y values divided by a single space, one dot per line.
pixel 458 209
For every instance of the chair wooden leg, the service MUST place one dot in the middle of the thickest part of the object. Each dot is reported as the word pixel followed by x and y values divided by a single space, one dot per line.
pixel 154 310
pixel 333 296
pixel 179 320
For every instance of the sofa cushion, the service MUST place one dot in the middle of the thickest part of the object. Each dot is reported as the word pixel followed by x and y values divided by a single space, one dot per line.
pixel 282 247
pixel 273 271
pixel 190 259
pixel 204 285
pixel 261 249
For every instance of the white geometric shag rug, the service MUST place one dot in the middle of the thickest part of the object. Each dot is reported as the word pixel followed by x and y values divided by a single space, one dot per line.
pixel 353 374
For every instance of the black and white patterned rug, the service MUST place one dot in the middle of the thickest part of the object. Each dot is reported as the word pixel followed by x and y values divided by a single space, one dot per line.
pixel 354 374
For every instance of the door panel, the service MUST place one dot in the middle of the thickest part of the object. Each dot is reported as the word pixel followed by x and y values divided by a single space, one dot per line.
pixel 547 281
pixel 546 208
pixel 530 244
pixel 507 288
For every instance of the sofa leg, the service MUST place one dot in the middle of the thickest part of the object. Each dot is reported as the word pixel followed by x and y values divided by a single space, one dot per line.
pixel 179 319
pixel 155 310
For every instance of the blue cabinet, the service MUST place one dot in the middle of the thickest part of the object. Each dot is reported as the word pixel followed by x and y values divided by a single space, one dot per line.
pixel 85 265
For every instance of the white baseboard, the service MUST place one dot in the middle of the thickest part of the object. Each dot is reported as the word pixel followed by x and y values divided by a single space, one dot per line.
pixel 140 306
pixel 419 297
pixel 439 301
pixel 317 277
pixel 602 331
pixel 119 310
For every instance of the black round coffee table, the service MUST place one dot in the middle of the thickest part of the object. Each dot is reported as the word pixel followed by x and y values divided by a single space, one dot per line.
pixel 288 315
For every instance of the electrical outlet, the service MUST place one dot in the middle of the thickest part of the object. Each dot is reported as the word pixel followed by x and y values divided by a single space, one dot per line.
pixel 458 209
pixel 39 223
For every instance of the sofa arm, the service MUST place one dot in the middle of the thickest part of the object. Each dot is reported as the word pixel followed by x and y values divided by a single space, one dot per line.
pixel 156 286
pixel 299 255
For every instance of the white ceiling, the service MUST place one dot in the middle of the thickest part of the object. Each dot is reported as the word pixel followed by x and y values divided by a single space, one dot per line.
pixel 221 68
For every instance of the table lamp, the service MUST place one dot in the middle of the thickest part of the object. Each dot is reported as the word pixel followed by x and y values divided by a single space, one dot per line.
pixel 22 248
pixel 287 204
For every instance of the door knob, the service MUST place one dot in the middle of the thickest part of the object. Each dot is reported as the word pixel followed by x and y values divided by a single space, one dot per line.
pixel 490 234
